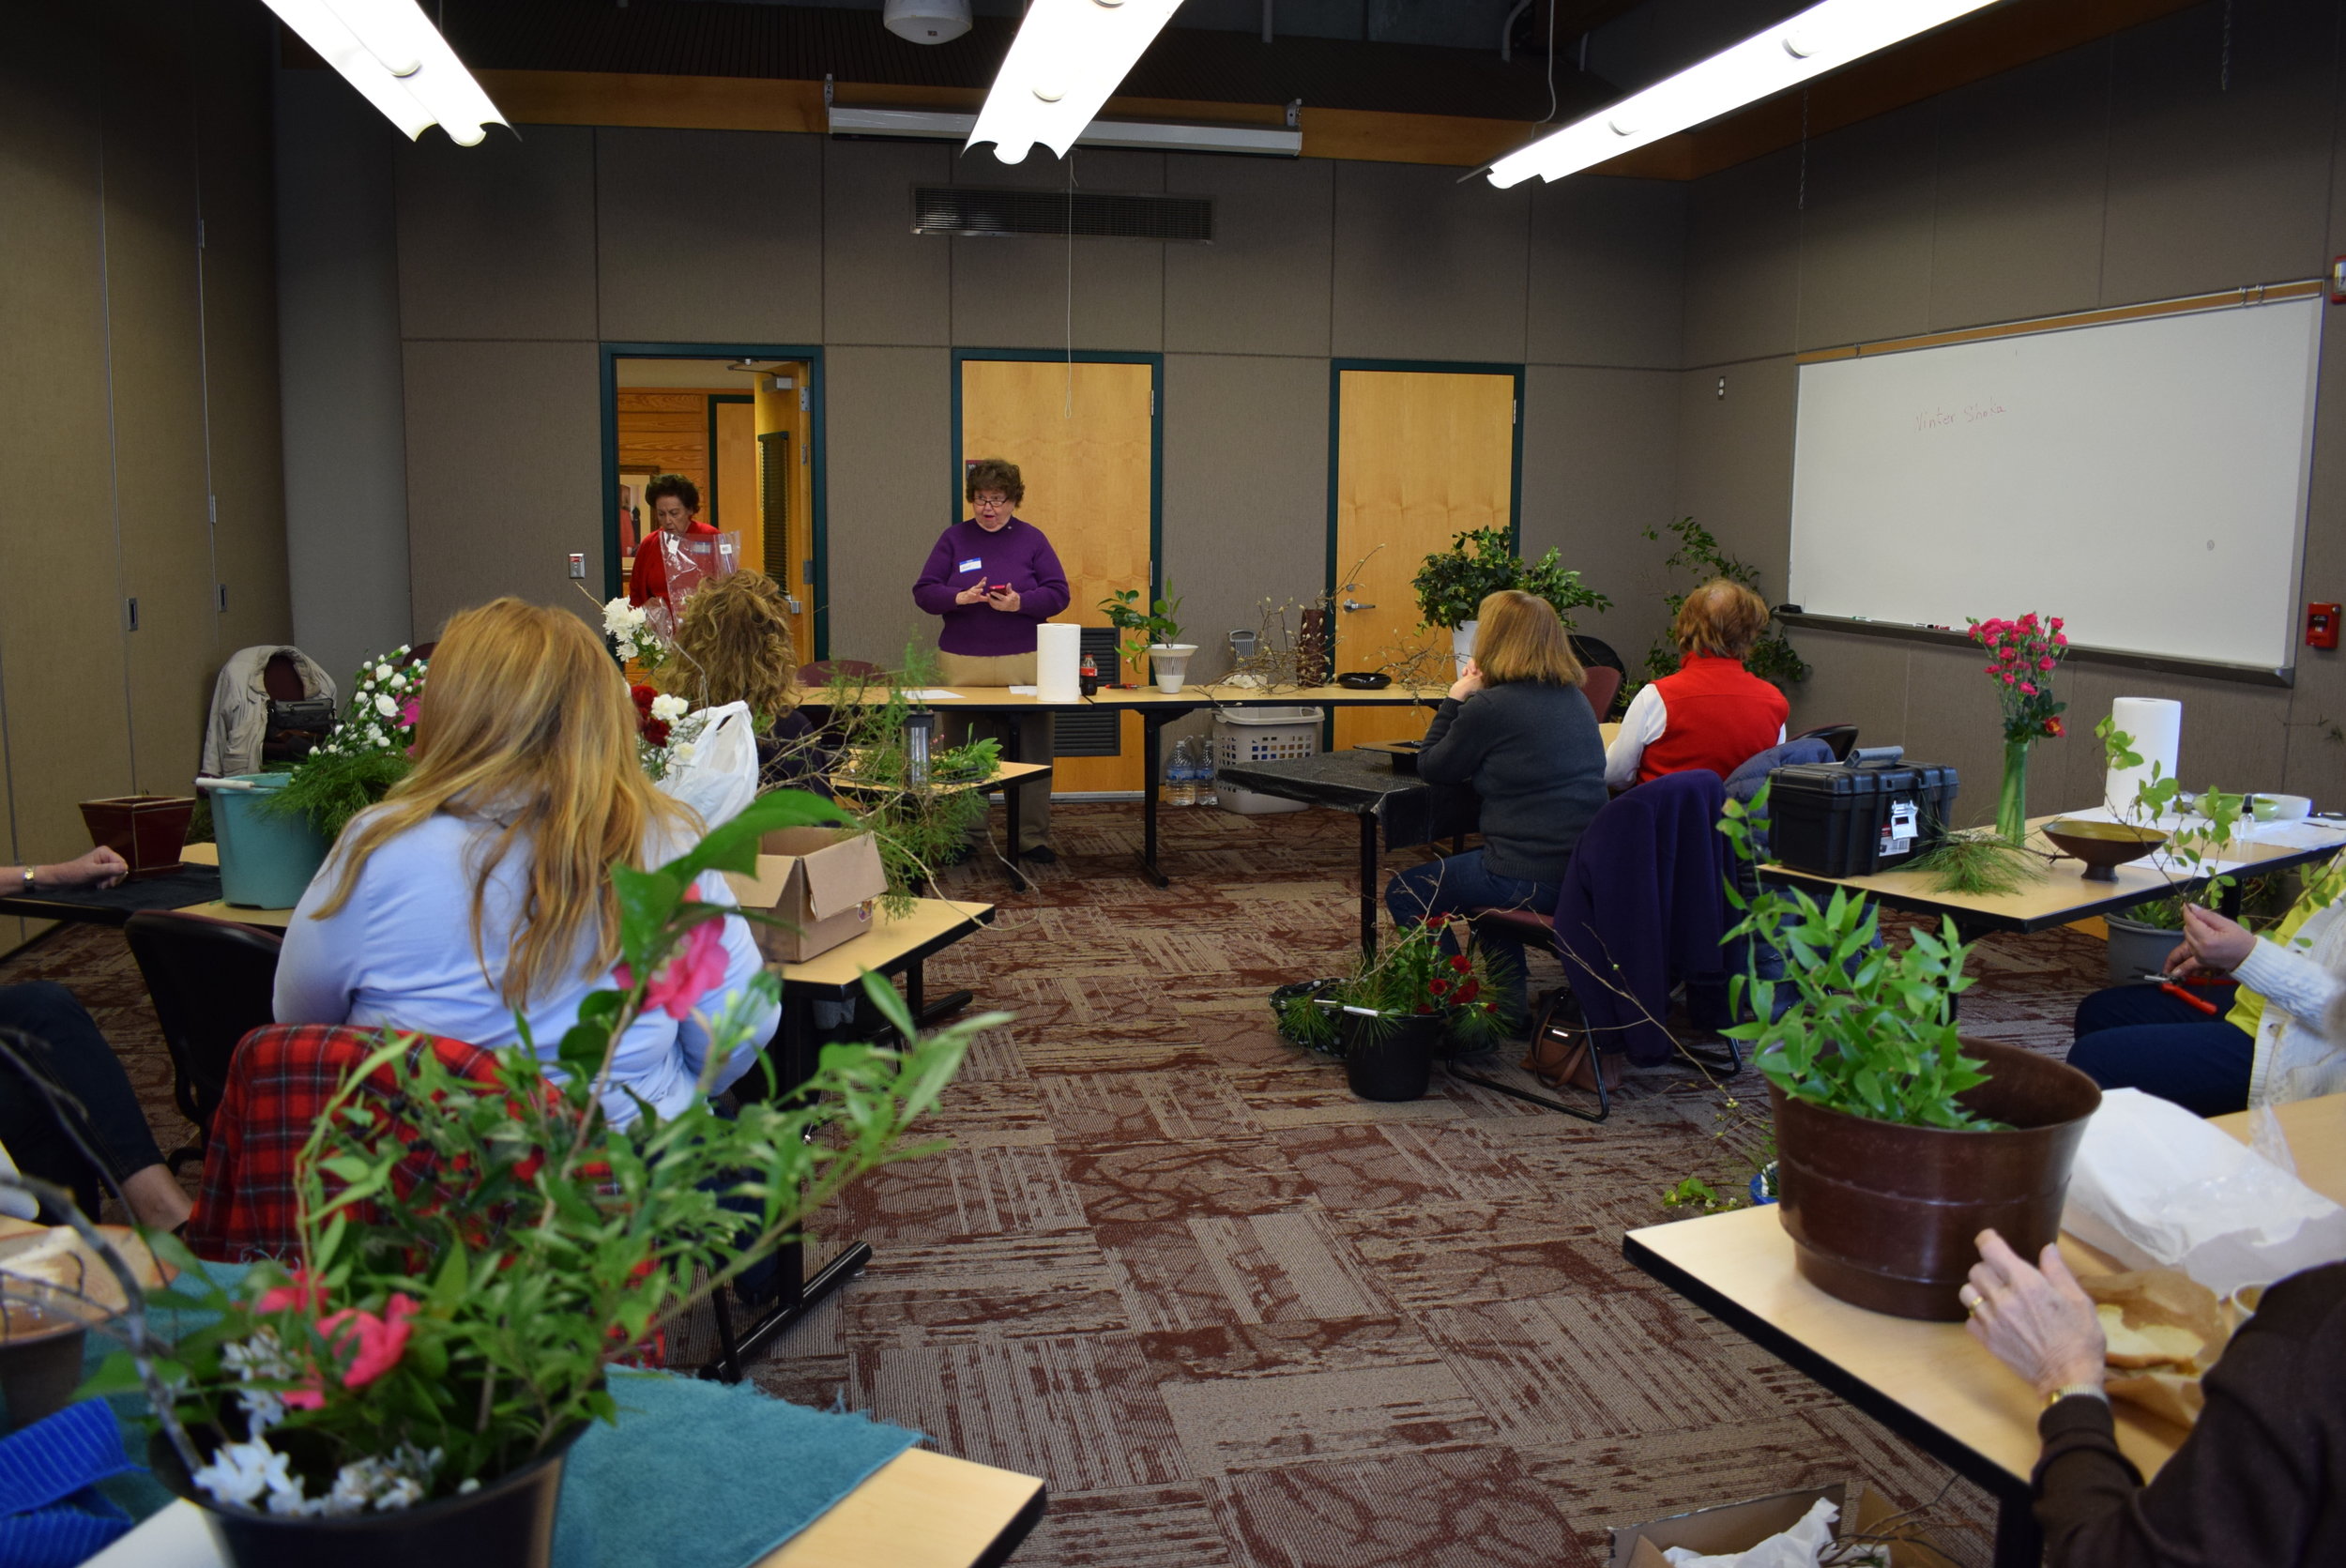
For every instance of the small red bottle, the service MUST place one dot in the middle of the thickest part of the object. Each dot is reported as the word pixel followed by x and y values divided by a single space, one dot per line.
pixel 1088 675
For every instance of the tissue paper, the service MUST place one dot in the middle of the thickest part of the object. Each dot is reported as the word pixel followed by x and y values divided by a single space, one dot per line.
pixel 1058 659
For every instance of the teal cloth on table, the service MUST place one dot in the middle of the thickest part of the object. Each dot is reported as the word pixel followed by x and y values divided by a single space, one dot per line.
pixel 712 1475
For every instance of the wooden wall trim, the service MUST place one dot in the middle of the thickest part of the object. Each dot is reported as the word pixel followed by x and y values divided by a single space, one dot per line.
pixel 1999 39
pixel 2249 294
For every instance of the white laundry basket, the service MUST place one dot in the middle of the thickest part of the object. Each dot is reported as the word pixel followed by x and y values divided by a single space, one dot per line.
pixel 1243 735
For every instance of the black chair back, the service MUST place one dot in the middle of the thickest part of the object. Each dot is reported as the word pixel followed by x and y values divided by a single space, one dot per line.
pixel 1841 738
pixel 212 981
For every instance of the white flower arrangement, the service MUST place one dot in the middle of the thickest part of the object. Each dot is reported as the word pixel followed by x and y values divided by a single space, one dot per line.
pixel 251 1474
pixel 684 725
pixel 382 712
pixel 636 633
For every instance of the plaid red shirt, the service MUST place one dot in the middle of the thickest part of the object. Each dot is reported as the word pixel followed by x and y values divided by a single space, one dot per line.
pixel 277 1085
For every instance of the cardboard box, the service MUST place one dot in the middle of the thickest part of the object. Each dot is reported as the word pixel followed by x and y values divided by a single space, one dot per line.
pixel 823 881
pixel 1738 1527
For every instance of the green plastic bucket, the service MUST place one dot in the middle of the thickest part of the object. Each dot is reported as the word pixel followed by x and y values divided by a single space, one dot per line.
pixel 266 856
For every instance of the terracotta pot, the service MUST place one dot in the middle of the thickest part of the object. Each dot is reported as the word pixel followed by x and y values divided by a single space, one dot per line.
pixel 1389 1058
pixel 508 1523
pixel 147 831
pixel 1883 1216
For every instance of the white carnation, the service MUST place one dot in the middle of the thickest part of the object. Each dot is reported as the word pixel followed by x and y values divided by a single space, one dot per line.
pixel 385 706
pixel 682 751
pixel 624 649
pixel 668 709
pixel 399 683
pixel 382 672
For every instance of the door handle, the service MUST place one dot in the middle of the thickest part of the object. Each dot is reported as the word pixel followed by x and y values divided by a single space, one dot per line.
pixel 1356 605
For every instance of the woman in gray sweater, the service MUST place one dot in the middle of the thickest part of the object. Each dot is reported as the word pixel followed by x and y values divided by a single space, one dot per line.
pixel 1517 728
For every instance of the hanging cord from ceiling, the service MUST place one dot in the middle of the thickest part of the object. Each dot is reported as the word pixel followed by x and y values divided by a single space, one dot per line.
pixel 1067 409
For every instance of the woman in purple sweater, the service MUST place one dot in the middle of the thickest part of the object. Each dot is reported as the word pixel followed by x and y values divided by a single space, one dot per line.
pixel 992 580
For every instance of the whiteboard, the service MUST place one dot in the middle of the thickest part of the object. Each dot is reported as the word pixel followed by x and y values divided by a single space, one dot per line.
pixel 2144 480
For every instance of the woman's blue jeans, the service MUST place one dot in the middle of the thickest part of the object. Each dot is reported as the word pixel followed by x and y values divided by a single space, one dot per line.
pixel 2139 1037
pixel 1460 885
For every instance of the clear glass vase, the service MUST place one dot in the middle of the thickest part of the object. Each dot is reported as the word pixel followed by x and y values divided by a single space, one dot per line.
pixel 2012 801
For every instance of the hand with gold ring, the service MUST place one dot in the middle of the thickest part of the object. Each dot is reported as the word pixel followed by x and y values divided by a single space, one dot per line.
pixel 2038 1322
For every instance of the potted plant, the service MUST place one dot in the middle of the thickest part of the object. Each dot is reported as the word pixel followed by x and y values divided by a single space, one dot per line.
pixel 1898 1140
pixel 2023 654
pixel 366 754
pixel 1386 1018
pixel 2140 938
pixel 1155 631
pixel 1773 658
pixel 920 824
pixel 476 1253
pixel 1453 583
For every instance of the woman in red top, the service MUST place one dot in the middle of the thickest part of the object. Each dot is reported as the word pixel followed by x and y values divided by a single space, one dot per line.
pixel 1712 713
pixel 675 504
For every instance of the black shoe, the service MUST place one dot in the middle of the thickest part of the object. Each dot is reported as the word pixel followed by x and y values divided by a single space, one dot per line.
pixel 1042 855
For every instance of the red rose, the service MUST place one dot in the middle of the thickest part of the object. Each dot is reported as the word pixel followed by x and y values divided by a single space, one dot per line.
pixel 642 696
pixel 1438 986
pixel 656 731
pixel 2052 727
pixel 1461 963
pixel 1468 992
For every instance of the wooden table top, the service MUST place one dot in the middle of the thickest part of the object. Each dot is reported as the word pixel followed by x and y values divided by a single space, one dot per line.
pixel 933 923
pixel 1212 694
pixel 1937 1371
pixel 1004 773
pixel 220 909
pixel 920 1510
pixel 2061 897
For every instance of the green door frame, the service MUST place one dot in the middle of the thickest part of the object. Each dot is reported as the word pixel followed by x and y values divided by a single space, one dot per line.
pixel 818 532
pixel 1335 442
pixel 1081 357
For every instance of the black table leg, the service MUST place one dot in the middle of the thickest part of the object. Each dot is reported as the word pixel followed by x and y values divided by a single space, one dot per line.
pixel 1368 885
pixel 926 1013
pixel 1152 722
pixel 2019 1541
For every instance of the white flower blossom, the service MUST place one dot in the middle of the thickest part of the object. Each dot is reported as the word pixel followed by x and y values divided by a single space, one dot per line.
pixel 240 1473
pixel 625 648
pixel 262 1410
pixel 385 704
pixel 668 709
pixel 382 672
pixel 683 753
pixel 399 683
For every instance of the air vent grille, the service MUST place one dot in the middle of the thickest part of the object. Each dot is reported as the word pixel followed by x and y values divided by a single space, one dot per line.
pixel 964 209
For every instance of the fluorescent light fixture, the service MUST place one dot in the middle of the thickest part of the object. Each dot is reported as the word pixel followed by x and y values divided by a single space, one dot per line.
pixel 1820 38
pixel 1268 141
pixel 1068 57
pixel 397 61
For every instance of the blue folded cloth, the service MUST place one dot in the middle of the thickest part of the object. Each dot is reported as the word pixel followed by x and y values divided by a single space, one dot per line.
pixel 51 1513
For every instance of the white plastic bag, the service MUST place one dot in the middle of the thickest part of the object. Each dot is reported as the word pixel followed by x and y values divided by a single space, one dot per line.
pixel 2155 1186
pixel 1797 1547
pixel 719 779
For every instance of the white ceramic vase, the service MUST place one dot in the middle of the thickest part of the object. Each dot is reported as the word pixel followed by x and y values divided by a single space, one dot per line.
pixel 1171 662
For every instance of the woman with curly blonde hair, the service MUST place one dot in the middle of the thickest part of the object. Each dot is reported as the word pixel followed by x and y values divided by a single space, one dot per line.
pixel 734 645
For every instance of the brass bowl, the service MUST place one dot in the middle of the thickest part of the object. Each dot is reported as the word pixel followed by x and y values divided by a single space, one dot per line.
pixel 2101 845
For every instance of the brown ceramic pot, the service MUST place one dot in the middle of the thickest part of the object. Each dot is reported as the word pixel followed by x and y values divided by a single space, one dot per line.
pixel 1883 1216
pixel 146 831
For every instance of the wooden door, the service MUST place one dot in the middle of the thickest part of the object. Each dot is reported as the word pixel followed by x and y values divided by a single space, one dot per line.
pixel 1081 438
pixel 1421 455
pixel 732 475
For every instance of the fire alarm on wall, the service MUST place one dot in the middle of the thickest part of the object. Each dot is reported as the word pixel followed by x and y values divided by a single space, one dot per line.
pixel 2320 626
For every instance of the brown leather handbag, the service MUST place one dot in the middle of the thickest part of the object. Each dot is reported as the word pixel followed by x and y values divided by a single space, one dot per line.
pixel 1562 1055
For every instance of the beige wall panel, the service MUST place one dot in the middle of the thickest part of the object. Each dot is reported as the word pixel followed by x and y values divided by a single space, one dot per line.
pixel 1607 273
pixel 1262 286
pixel 1743 265
pixel 157 348
pixel 2211 188
pixel 1735 458
pixel 1600 466
pixel 237 46
pixel 1012 291
pixel 1852 680
pixel 61 653
pixel 888 422
pixel 1246 491
pixel 1865 230
pixel 1427 268
pixel 2021 172
pixel 497 240
pixel 740 260
pixel 882 284
pixel 504 448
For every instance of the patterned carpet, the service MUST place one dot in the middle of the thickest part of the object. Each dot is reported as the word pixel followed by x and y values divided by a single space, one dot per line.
pixel 1234 1316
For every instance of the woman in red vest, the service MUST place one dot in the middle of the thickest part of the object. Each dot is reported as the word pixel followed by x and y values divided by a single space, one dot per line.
pixel 675 504
pixel 1712 713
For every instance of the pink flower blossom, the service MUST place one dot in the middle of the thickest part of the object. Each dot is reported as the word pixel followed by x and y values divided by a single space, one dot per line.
pixel 2060 641
pixel 698 969
pixel 2029 687
pixel 2009 677
pixel 408 712
pixel 2046 663
pixel 304 1294
pixel 380 1341
pixel 312 1398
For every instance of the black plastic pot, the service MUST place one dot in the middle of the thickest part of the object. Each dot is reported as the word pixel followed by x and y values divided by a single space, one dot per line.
pixel 1389 1058
pixel 508 1523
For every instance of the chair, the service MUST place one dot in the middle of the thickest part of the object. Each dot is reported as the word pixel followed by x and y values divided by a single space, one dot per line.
pixel 1602 685
pixel 1841 738
pixel 212 981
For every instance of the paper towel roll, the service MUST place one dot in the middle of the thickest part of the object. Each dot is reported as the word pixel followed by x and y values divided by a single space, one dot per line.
pixel 1059 654
pixel 2156 726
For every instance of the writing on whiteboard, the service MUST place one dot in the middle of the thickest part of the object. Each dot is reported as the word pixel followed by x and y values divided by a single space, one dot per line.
pixel 1970 414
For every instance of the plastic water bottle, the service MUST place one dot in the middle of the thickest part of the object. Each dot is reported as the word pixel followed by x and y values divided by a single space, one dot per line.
pixel 1205 772
pixel 1180 778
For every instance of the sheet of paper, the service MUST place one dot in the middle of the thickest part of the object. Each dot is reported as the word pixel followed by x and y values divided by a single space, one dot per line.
pixel 1024 690
pixel 933 693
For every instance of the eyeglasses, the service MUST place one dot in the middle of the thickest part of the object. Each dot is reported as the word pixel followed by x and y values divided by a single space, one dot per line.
pixel 991 503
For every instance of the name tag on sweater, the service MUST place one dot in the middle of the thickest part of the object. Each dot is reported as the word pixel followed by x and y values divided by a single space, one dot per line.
pixel 972 564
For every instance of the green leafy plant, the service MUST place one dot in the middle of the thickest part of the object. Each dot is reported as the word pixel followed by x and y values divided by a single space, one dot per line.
pixel 1453 583
pixel 1977 860
pixel 1870 1029
pixel 1699 1195
pixel 1409 977
pixel 476 1253
pixel 919 826
pixel 2196 848
pixel 366 751
pixel 1143 625
pixel 1773 658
